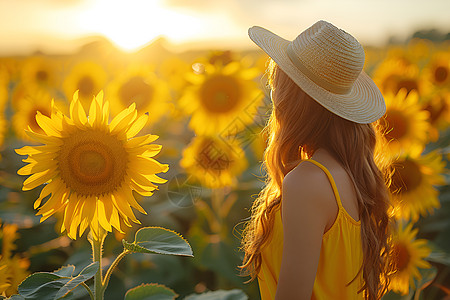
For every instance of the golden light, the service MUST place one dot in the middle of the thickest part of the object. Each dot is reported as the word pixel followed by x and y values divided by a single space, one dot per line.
pixel 132 24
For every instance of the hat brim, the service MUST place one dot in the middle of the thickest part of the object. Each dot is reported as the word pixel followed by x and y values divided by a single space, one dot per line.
pixel 364 102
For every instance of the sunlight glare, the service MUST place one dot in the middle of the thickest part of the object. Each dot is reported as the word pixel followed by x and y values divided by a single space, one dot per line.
pixel 134 23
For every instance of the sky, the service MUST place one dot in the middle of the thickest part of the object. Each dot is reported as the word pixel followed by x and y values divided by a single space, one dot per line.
pixel 60 26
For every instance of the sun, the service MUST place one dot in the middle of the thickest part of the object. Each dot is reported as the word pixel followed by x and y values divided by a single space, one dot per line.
pixel 134 23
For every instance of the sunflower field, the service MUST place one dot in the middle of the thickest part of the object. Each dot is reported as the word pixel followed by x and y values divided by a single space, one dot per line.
pixel 164 148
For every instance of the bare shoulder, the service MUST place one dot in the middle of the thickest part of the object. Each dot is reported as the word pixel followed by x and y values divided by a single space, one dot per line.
pixel 307 190
pixel 306 179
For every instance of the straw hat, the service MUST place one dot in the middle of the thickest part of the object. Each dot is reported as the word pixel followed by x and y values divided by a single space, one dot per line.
pixel 326 62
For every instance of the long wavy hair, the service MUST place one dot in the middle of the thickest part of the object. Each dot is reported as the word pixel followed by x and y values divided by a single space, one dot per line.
pixel 298 126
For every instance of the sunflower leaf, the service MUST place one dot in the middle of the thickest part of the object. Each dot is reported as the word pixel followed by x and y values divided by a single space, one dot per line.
pixel 234 294
pixel 150 292
pixel 44 285
pixel 160 241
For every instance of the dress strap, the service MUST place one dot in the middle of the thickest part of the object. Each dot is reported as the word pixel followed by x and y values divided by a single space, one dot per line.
pixel 330 179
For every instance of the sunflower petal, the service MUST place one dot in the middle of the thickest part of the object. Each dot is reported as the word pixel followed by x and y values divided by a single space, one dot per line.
pixel 147 165
pixel 47 125
pixel 120 201
pixel 121 124
pixel 102 215
pixel 37 179
pixel 141 140
pixel 132 201
pixel 43 139
pixel 137 126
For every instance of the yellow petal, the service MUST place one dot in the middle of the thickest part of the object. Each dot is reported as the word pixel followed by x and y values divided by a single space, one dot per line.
pixel 43 139
pixel 36 168
pixel 127 192
pixel 147 165
pixel 146 150
pixel 141 140
pixel 105 112
pixel 140 179
pixel 137 126
pixel 121 124
pixel 77 114
pixel 121 203
pixel 69 212
pixel 101 215
pixel 47 125
pixel 38 179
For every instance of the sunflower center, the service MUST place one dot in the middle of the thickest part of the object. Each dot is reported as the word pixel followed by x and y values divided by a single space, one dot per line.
pixel 92 162
pixel 136 90
pixel 401 257
pixel 41 76
pixel 398 125
pixel 440 74
pixel 220 94
pixel 86 86
pixel 212 158
pixel 407 176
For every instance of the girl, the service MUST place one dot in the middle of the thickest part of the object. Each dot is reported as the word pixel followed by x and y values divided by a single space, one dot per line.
pixel 319 228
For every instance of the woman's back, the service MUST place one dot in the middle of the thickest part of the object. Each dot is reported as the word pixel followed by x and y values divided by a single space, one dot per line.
pixel 341 251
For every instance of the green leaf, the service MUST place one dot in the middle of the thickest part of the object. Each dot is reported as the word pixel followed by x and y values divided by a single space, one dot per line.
pixel 45 285
pixel 66 271
pixel 151 291
pixel 85 274
pixel 428 276
pixel 219 295
pixel 41 285
pixel 15 297
pixel 160 241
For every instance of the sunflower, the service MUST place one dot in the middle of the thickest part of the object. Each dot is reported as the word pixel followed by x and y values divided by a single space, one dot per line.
pixel 26 108
pixel 408 255
pixel 412 187
pixel 438 105
pixel 140 85
pixel 91 167
pixel 213 162
pixel 88 78
pixel 173 70
pixel 13 268
pixel 223 97
pixel 405 124
pixel 394 74
pixel 437 71
pixel 40 71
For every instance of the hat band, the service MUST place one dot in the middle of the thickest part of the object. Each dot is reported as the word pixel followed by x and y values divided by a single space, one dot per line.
pixel 316 79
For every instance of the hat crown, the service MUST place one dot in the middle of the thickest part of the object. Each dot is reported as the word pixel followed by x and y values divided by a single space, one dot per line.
pixel 332 58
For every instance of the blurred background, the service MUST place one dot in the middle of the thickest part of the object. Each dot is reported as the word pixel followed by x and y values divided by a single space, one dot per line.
pixel 165 55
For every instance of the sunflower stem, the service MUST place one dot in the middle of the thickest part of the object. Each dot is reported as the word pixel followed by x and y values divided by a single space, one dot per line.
pixel 112 267
pixel 88 290
pixel 97 249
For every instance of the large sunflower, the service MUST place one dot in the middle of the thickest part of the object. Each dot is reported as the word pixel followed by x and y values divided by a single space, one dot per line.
pixel 224 98
pixel 405 124
pixel 139 85
pixel 27 106
pixel 88 78
pixel 91 167
pixel 213 162
pixel 408 255
pixel 413 181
